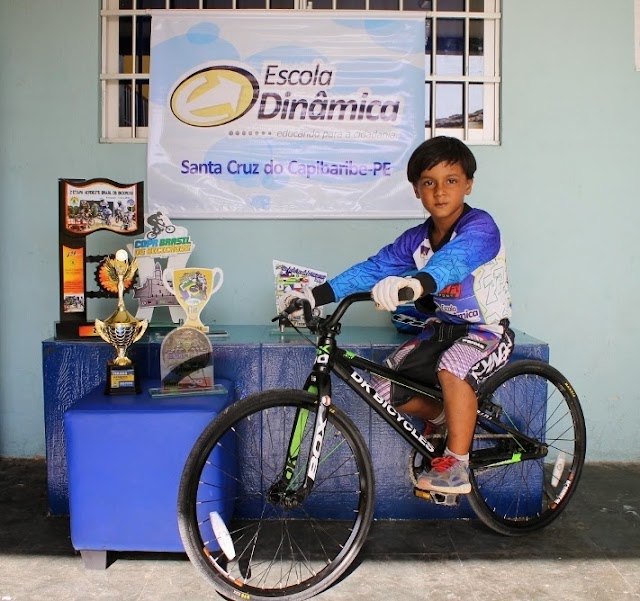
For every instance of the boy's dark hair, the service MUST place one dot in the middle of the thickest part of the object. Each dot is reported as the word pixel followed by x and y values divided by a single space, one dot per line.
pixel 441 149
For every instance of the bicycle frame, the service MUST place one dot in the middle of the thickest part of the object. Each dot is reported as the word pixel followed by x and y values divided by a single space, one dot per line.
pixel 345 365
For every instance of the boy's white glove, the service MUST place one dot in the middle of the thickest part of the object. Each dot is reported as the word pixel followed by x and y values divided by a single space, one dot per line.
pixel 385 292
pixel 285 300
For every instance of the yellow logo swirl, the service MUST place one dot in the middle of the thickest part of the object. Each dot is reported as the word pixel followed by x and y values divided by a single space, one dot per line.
pixel 214 96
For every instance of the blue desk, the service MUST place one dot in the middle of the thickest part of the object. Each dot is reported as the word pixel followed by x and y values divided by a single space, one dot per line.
pixel 125 456
pixel 255 358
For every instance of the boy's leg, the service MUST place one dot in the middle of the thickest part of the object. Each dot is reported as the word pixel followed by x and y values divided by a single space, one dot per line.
pixel 418 359
pixel 424 408
pixel 460 406
pixel 450 473
pixel 462 363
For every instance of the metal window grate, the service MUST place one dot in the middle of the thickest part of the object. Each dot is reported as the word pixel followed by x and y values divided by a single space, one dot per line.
pixel 462 60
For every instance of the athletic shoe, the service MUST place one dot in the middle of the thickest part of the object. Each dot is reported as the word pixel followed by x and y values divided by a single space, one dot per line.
pixel 447 475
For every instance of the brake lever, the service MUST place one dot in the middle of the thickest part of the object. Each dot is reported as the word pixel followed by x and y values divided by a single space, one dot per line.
pixel 311 316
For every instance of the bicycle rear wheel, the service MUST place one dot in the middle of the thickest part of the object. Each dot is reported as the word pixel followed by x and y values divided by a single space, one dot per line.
pixel 523 495
pixel 276 544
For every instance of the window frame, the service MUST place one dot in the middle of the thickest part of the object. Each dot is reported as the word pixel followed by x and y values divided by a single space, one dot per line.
pixel 111 75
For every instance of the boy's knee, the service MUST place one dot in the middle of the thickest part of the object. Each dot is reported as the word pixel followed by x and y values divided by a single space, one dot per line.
pixel 451 382
pixel 446 377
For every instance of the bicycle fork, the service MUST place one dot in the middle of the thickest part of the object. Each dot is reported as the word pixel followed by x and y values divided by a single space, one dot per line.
pixel 289 491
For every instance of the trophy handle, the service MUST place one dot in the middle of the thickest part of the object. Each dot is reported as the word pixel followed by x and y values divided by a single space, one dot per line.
pixel 165 280
pixel 141 328
pixel 214 271
pixel 101 330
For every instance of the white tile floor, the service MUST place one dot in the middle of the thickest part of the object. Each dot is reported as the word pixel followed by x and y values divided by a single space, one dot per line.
pixel 591 552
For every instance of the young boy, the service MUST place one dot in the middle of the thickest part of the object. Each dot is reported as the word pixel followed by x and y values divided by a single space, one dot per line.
pixel 455 264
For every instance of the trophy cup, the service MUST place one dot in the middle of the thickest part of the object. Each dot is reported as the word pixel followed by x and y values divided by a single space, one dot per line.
pixel 193 287
pixel 186 354
pixel 121 329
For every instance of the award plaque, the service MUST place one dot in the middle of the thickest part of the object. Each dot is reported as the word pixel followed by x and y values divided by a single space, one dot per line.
pixel 186 361
pixel 193 287
pixel 121 329
pixel 86 207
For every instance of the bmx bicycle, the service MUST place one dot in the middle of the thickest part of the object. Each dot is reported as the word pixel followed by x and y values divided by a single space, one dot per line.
pixel 291 478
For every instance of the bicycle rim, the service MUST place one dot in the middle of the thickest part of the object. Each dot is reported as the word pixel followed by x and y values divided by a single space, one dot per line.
pixel 274 550
pixel 523 495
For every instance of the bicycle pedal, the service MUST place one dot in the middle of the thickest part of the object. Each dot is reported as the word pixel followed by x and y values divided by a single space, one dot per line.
pixel 438 498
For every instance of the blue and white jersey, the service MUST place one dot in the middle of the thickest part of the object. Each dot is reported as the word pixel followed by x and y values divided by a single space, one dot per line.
pixel 469 270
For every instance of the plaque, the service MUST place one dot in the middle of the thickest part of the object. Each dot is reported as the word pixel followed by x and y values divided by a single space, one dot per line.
pixel 85 207
pixel 186 361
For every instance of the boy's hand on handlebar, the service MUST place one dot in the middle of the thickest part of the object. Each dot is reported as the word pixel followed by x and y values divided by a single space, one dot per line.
pixel 288 297
pixel 385 292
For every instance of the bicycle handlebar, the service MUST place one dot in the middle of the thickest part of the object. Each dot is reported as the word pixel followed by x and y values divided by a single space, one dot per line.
pixel 404 294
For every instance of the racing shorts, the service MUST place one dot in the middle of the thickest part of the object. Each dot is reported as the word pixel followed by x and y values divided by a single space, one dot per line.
pixel 466 351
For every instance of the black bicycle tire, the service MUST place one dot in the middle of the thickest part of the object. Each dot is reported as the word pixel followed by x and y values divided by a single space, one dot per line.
pixel 187 520
pixel 516 526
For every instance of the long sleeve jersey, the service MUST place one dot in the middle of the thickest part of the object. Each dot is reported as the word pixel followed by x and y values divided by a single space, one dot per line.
pixel 466 275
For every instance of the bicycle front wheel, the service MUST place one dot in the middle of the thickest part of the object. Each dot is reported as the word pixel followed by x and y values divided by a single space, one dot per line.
pixel 248 468
pixel 520 495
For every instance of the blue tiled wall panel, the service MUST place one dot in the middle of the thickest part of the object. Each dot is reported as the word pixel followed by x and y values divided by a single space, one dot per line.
pixel 255 359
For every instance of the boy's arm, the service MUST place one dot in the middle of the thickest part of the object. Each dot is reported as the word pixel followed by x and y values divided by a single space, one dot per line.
pixel 394 259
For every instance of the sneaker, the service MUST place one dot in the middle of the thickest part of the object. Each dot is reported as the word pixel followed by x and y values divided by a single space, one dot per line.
pixel 447 475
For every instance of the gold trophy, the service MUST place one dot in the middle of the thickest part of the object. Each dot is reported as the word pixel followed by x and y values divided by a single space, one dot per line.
pixel 121 329
pixel 193 287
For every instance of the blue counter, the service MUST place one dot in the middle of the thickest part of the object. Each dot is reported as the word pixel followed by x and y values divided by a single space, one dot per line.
pixel 253 358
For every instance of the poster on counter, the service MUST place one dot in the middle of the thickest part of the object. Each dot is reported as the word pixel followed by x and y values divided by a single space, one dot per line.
pixel 284 114
pixel 290 277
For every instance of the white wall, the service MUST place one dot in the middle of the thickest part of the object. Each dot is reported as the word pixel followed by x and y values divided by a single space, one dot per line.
pixel 562 186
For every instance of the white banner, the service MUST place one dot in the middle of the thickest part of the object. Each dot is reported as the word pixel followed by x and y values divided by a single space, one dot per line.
pixel 285 114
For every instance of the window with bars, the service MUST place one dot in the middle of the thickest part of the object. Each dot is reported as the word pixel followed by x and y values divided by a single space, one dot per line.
pixel 462 60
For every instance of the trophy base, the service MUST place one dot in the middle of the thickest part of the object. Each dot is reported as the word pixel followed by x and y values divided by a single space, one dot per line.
pixel 122 379
pixel 196 391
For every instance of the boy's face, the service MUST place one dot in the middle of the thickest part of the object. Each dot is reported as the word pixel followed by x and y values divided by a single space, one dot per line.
pixel 441 190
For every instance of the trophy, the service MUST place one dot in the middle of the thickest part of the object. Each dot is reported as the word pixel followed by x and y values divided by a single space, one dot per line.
pixel 186 355
pixel 193 287
pixel 121 329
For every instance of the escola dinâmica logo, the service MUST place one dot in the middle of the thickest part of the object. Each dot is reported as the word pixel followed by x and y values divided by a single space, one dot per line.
pixel 214 96
pixel 218 95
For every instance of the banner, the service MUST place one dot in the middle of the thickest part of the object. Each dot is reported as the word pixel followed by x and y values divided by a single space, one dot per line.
pixel 284 114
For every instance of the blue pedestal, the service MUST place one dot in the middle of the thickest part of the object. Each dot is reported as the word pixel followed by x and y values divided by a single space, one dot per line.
pixel 125 456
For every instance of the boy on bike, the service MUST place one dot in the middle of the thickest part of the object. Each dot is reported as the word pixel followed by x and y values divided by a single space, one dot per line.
pixel 455 265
